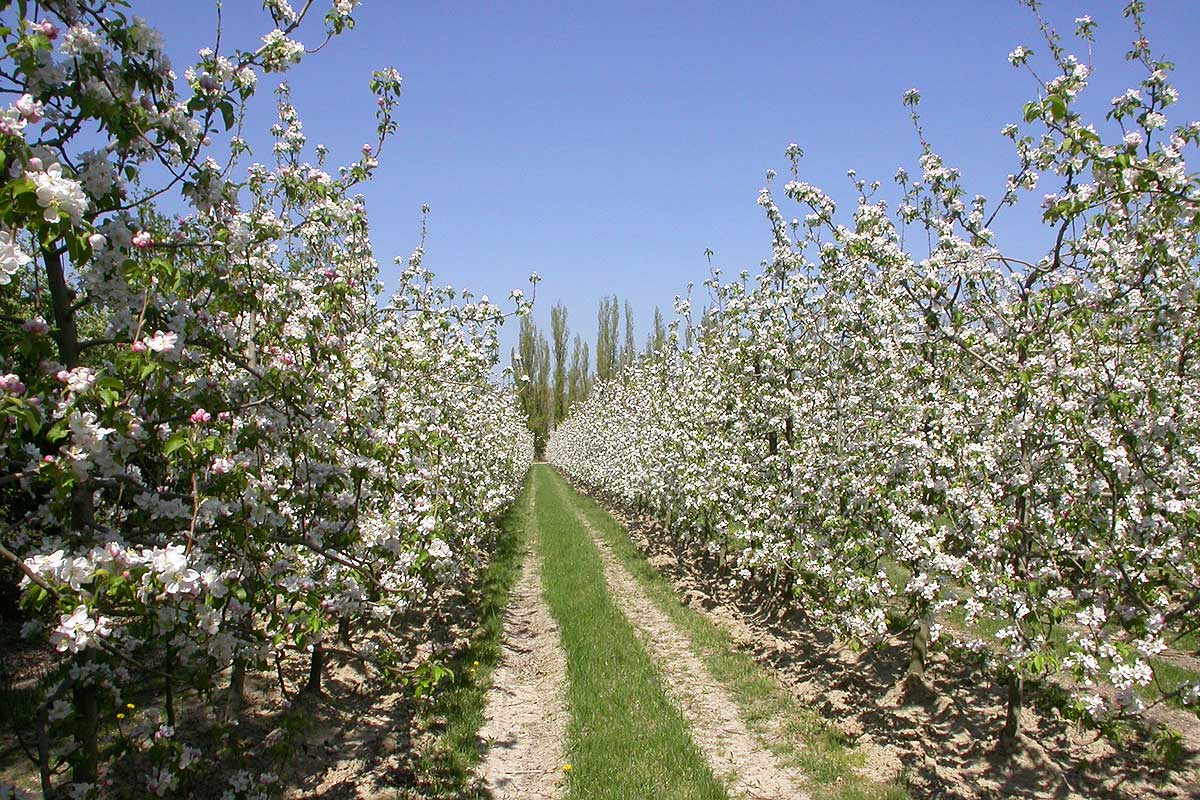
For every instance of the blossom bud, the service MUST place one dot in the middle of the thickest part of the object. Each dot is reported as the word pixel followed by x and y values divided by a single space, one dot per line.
pixel 142 240
pixel 35 164
pixel 200 416
pixel 48 30
pixel 29 108
pixel 97 241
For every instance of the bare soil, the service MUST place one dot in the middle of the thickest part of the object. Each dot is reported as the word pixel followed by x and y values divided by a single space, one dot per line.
pixel 734 754
pixel 526 706
pixel 359 739
pixel 946 745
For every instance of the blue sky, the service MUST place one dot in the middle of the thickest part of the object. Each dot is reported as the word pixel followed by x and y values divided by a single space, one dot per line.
pixel 606 145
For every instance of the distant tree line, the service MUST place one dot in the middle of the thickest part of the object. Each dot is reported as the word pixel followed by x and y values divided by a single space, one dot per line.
pixel 556 373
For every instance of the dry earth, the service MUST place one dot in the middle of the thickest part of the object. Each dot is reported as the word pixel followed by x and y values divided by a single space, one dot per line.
pixel 944 748
pixel 361 739
pixel 733 753
pixel 526 714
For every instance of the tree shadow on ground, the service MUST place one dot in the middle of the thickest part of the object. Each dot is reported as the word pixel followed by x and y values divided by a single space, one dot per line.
pixel 942 745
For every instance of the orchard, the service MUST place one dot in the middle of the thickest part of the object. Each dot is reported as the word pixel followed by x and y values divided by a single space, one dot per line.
pixel 899 424
pixel 220 440
pixel 232 458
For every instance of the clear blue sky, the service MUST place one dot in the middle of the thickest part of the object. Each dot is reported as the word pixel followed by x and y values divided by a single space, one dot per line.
pixel 607 144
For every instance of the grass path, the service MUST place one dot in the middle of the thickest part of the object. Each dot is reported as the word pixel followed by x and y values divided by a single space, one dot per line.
pixel 742 759
pixel 799 737
pixel 526 708
pixel 626 738
pixel 659 700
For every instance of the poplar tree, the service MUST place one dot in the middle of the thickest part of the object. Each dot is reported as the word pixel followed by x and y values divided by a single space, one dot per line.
pixel 608 335
pixel 657 339
pixel 629 352
pixel 531 365
pixel 560 339
pixel 579 380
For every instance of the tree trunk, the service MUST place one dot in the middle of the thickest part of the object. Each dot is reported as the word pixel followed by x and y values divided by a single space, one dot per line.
pixel 86 760
pixel 916 688
pixel 169 701
pixel 1012 721
pixel 235 700
pixel 316 666
pixel 61 298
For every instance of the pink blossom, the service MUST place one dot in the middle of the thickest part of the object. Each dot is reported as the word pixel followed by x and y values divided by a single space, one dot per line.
pixel 57 194
pixel 29 108
pixel 49 30
pixel 77 629
pixel 35 326
pixel 142 240
pixel 12 384
pixel 200 416
pixel 162 342
pixel 80 379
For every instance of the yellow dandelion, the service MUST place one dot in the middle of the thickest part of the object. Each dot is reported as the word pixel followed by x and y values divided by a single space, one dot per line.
pixel 566 767
pixel 121 716
pixel 130 706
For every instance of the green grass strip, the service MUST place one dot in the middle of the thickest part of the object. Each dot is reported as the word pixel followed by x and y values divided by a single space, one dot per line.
pixel 799 736
pixel 447 768
pixel 625 738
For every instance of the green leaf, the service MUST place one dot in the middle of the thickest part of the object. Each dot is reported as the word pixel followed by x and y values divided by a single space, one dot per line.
pixel 227 114
pixel 58 432
pixel 1058 106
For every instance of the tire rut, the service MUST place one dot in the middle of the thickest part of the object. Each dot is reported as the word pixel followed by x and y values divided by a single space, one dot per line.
pixel 525 717
pixel 732 751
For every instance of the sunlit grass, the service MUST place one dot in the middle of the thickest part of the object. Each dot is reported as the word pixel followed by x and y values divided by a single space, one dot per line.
pixel 799 736
pixel 446 768
pixel 625 738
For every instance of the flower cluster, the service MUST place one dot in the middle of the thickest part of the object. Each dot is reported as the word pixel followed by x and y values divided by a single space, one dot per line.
pixel 955 436
pixel 228 441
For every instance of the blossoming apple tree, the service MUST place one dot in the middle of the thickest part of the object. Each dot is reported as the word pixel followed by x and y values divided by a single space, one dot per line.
pixel 225 441
pixel 1000 447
